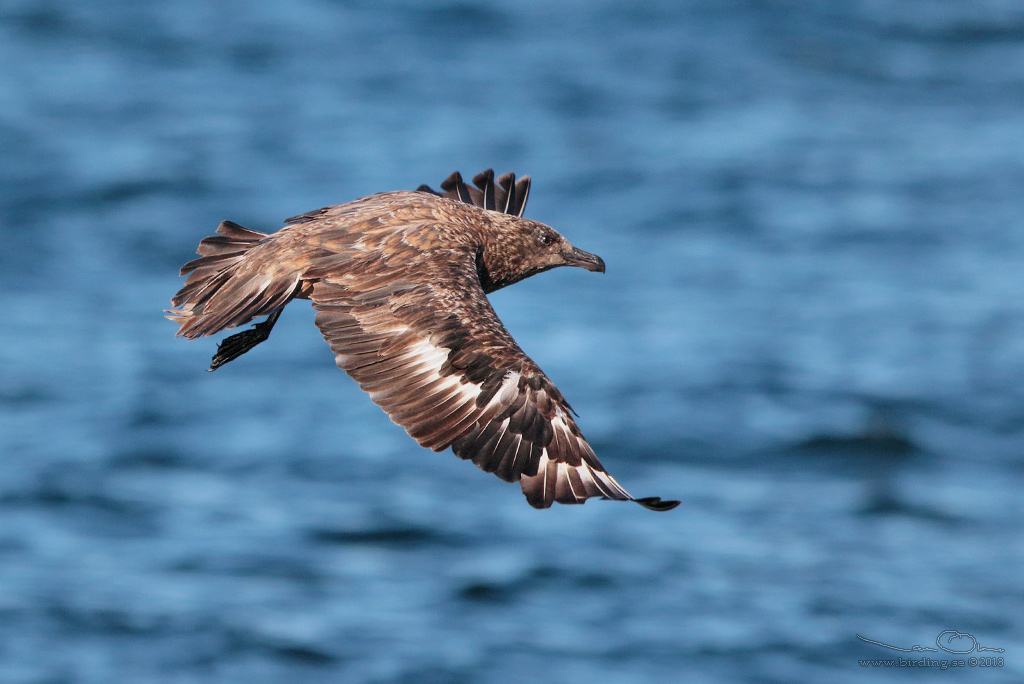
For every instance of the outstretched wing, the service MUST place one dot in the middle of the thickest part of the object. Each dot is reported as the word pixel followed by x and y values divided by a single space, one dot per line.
pixel 433 354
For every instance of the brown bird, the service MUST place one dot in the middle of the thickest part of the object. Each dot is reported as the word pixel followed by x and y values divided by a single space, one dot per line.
pixel 399 281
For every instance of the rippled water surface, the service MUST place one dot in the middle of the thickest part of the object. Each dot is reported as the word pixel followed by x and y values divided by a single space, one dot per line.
pixel 810 331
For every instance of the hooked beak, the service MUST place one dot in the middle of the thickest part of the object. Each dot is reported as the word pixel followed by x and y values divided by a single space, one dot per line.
pixel 577 257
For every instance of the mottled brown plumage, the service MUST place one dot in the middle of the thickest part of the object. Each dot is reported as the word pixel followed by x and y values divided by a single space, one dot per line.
pixel 398 280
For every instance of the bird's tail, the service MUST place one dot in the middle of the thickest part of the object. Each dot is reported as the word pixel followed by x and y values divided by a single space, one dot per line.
pixel 228 284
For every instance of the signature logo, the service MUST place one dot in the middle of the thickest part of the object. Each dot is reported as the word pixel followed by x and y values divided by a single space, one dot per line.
pixel 950 641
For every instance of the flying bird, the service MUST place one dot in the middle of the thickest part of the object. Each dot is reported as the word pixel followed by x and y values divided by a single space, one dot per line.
pixel 399 282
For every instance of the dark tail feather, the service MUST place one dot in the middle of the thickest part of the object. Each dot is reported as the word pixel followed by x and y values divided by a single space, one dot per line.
pixel 224 289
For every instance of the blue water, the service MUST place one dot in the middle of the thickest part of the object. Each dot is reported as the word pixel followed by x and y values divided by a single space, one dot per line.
pixel 810 331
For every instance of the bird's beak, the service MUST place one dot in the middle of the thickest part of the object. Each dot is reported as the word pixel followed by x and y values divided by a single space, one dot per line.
pixel 577 257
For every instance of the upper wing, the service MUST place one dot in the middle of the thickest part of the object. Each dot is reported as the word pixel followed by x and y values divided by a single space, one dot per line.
pixel 433 354
pixel 508 196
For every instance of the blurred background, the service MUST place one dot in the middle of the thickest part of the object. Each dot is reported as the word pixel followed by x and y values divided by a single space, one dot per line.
pixel 811 331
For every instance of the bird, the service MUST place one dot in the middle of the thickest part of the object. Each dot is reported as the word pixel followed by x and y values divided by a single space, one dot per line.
pixel 399 281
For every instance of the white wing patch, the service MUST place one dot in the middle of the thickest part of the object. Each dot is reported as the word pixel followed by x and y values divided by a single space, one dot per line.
pixel 445 401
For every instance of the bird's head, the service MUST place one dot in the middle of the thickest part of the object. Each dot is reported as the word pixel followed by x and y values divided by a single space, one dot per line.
pixel 517 248
pixel 511 248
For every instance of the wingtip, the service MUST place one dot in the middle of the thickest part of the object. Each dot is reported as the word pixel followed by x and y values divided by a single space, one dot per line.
pixel 655 503
pixel 508 196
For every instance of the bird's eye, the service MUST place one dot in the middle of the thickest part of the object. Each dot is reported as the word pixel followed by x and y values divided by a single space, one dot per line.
pixel 545 239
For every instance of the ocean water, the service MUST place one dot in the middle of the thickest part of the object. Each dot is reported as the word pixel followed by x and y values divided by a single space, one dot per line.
pixel 810 331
